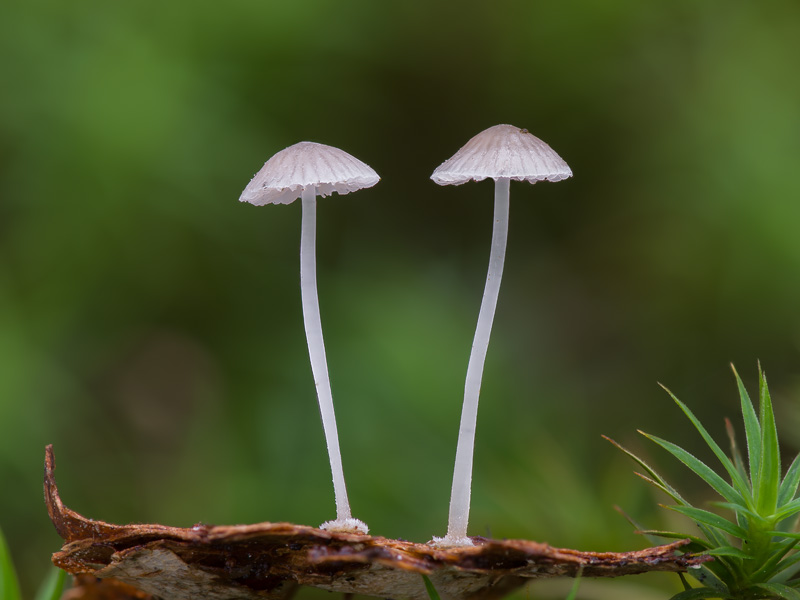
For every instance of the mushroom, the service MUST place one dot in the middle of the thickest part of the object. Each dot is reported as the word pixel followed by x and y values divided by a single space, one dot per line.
pixel 502 153
pixel 306 170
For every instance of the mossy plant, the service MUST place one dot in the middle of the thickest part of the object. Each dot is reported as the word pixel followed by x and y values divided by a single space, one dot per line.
pixel 751 534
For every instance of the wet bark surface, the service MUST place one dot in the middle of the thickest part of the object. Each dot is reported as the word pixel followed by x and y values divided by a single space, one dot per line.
pixel 272 560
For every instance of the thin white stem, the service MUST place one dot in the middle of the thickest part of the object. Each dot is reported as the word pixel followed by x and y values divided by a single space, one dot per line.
pixel 462 474
pixel 316 347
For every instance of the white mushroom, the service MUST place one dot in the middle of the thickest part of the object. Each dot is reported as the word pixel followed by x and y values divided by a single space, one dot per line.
pixel 306 170
pixel 502 153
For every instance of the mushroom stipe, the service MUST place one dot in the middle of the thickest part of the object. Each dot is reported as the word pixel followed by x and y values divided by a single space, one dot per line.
pixel 305 170
pixel 502 153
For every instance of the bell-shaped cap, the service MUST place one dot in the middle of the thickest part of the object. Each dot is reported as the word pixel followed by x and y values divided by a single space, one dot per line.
pixel 282 178
pixel 503 151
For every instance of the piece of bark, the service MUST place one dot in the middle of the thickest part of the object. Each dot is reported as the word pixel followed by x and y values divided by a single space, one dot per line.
pixel 268 561
pixel 89 587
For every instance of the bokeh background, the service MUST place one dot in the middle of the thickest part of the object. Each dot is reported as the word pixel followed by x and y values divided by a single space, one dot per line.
pixel 151 327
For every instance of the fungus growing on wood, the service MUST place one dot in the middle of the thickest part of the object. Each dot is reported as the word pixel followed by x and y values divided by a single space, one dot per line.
pixel 503 153
pixel 306 170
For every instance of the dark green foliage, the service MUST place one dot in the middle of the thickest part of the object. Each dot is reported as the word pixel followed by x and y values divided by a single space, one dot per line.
pixel 50 589
pixel 754 548
pixel 432 593
pixel 9 588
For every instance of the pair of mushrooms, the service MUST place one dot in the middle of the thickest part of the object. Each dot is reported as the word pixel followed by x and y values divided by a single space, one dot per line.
pixel 307 169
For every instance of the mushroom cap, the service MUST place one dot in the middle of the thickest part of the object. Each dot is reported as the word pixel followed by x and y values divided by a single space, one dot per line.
pixel 284 176
pixel 503 152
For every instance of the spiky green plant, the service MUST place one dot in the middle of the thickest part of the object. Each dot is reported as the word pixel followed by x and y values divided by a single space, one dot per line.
pixel 51 589
pixel 9 588
pixel 751 534
pixel 432 593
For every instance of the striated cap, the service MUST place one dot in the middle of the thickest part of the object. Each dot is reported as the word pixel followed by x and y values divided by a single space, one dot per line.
pixel 503 151
pixel 282 178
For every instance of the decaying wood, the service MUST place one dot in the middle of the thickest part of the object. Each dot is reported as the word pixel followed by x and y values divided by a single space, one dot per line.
pixel 89 587
pixel 271 560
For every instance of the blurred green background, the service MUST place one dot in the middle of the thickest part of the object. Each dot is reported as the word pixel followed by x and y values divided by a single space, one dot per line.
pixel 151 327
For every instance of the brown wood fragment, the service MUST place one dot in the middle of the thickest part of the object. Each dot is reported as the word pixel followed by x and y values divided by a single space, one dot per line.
pixel 89 587
pixel 271 560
